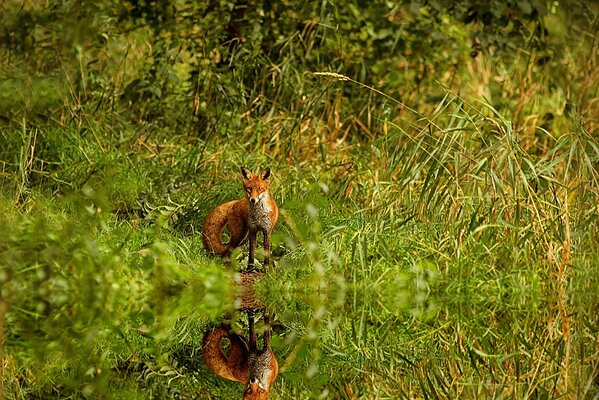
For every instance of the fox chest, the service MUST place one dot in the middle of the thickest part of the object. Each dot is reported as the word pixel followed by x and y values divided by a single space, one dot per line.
pixel 259 217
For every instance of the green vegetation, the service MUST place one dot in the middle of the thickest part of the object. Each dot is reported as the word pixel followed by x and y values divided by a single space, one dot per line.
pixel 437 167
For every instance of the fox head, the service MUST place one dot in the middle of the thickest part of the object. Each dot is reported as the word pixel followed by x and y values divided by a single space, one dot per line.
pixel 255 185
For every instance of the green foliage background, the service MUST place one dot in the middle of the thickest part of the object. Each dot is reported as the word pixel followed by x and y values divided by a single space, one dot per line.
pixel 436 163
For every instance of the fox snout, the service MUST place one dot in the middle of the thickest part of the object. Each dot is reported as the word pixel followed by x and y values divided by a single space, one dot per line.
pixel 253 200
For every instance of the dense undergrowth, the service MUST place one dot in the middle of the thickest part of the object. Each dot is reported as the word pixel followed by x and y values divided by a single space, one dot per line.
pixel 437 177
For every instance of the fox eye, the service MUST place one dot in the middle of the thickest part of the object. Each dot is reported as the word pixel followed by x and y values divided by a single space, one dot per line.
pixel 260 190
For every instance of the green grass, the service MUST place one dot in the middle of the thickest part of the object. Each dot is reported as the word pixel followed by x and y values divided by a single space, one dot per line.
pixel 438 246
pixel 467 269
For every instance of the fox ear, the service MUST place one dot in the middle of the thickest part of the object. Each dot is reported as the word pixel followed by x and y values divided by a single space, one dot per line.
pixel 265 174
pixel 246 173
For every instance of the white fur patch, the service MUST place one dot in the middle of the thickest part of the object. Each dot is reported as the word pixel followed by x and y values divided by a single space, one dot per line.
pixel 259 215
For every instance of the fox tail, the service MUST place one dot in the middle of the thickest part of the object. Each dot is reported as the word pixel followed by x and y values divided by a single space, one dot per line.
pixel 232 366
pixel 211 233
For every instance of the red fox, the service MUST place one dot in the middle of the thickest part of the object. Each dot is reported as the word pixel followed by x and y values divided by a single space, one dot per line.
pixel 244 363
pixel 256 212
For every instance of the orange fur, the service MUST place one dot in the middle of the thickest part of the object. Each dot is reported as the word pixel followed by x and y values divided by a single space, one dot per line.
pixel 232 366
pixel 258 212
pixel 232 214
pixel 244 362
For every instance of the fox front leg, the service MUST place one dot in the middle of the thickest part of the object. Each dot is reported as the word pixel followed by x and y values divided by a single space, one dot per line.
pixel 267 332
pixel 253 335
pixel 253 235
pixel 266 248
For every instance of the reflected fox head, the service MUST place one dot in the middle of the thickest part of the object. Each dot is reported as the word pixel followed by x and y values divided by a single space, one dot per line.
pixel 263 370
pixel 253 391
pixel 256 186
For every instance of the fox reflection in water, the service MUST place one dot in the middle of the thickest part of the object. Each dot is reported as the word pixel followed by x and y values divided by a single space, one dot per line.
pixel 243 362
